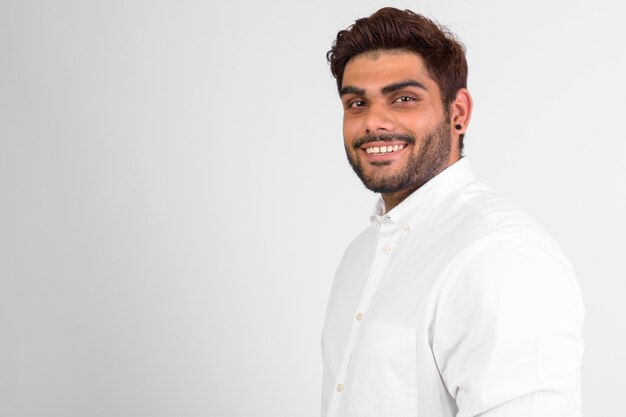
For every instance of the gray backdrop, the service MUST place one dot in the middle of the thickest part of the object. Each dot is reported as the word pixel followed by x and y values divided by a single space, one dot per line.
pixel 174 197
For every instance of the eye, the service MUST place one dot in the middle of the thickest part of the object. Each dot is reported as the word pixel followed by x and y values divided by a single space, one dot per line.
pixel 356 103
pixel 404 99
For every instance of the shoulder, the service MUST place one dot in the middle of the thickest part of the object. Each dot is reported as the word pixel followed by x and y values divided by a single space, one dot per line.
pixel 496 225
pixel 506 253
pixel 514 269
pixel 363 244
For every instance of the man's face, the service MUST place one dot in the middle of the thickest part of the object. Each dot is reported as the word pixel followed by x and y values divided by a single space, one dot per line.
pixel 396 132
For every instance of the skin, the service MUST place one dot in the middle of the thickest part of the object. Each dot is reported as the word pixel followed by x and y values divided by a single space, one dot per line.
pixel 390 99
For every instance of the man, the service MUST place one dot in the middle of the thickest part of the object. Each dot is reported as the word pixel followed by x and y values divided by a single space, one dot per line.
pixel 453 302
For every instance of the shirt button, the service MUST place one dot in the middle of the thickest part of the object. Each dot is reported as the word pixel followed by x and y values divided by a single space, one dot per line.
pixel 386 250
pixel 359 317
pixel 406 227
pixel 339 387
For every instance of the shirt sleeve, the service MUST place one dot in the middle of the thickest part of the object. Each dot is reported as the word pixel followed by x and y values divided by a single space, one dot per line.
pixel 508 338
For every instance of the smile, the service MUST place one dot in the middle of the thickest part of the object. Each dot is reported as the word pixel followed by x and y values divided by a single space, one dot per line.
pixel 383 150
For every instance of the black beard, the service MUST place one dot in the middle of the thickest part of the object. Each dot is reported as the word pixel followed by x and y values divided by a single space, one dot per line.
pixel 432 158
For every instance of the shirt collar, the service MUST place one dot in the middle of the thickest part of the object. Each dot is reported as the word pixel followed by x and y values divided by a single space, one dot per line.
pixel 421 203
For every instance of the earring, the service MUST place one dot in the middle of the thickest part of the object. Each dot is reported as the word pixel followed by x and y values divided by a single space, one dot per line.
pixel 458 127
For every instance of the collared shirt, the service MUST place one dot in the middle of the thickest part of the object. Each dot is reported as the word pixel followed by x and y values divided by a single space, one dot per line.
pixel 454 303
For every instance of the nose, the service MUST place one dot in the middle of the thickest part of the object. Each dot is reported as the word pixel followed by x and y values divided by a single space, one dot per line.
pixel 377 119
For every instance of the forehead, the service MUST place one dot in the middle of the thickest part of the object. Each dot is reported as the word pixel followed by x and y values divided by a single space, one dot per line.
pixel 376 69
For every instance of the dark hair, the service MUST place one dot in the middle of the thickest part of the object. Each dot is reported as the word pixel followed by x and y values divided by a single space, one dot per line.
pixel 393 29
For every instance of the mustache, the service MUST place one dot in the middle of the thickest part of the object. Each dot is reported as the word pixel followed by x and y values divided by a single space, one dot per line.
pixel 410 139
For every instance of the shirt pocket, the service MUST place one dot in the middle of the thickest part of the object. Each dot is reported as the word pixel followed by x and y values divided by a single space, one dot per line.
pixel 385 372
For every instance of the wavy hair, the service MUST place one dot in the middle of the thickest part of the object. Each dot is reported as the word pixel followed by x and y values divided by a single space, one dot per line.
pixel 393 29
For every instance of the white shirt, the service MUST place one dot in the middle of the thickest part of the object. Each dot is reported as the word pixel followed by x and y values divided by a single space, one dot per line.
pixel 454 303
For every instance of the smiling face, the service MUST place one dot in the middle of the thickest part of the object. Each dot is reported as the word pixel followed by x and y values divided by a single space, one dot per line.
pixel 396 131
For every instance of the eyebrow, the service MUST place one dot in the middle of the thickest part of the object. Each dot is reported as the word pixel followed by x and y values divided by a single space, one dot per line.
pixel 388 89
pixel 402 84
pixel 352 90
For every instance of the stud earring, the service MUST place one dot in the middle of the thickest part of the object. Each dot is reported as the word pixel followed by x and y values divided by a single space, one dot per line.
pixel 458 127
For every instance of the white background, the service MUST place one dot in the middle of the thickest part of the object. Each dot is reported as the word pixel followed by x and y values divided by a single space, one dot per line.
pixel 174 196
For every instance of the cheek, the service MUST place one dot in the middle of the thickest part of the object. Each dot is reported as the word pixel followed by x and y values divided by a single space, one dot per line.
pixel 350 132
pixel 352 127
pixel 414 123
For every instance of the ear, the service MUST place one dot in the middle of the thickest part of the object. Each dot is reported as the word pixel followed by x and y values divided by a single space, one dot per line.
pixel 461 111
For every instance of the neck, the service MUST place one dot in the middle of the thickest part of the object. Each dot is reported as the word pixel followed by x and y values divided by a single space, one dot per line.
pixel 393 199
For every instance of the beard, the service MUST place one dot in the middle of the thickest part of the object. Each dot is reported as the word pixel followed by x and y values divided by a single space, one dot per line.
pixel 430 160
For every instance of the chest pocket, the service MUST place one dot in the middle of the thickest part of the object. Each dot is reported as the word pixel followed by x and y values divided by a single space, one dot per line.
pixel 385 372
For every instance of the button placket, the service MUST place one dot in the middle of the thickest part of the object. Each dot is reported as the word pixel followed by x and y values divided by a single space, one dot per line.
pixel 389 233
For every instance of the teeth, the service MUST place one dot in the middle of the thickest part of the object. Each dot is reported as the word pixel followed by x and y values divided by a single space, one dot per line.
pixel 383 149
